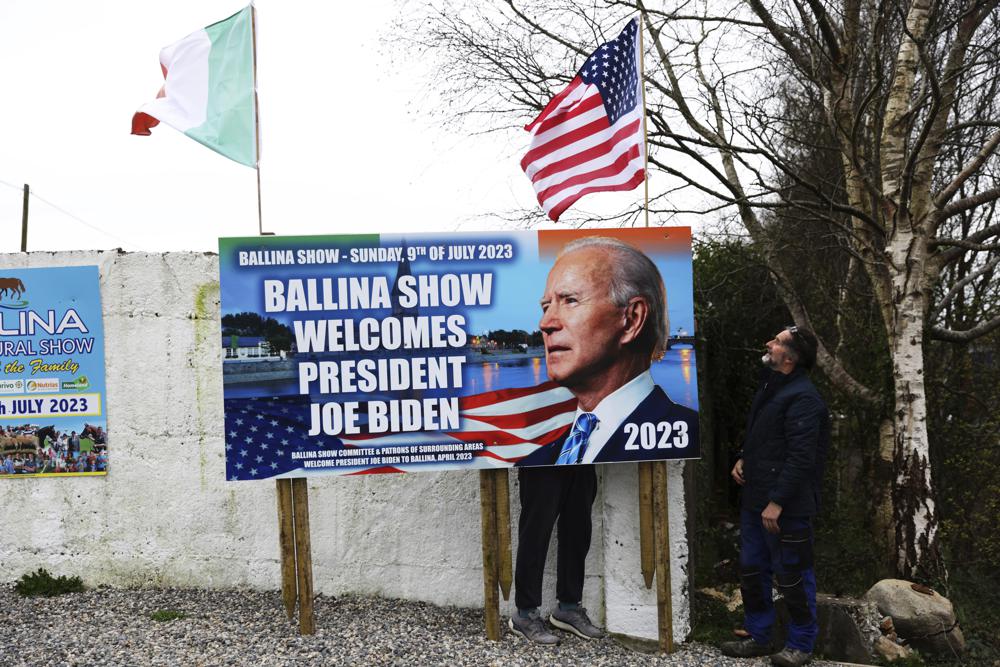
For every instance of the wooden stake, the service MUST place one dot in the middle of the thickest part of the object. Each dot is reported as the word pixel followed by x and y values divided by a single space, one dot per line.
pixel 303 556
pixel 286 545
pixel 647 550
pixel 664 601
pixel 24 220
pixel 505 573
pixel 491 599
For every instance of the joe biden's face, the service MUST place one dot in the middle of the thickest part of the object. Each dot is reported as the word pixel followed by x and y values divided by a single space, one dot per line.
pixel 580 325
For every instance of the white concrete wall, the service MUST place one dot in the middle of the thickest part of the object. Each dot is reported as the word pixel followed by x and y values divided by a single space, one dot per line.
pixel 165 515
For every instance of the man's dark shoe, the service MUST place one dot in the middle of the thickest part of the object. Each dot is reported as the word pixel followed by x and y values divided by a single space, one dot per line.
pixel 532 628
pixel 745 648
pixel 791 657
pixel 575 621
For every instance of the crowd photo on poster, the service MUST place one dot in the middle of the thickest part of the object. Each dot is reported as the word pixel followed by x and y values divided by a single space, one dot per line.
pixel 33 449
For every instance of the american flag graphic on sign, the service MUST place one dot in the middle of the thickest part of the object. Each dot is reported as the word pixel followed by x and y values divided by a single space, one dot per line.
pixel 268 437
pixel 589 138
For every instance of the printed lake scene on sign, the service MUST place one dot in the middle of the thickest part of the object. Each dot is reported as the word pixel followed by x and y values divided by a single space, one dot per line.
pixel 390 353
pixel 52 419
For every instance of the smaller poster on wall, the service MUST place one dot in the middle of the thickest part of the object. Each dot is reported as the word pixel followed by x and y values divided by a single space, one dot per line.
pixel 52 408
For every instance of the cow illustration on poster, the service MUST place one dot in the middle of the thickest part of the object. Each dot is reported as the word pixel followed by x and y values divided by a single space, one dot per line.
pixel 12 287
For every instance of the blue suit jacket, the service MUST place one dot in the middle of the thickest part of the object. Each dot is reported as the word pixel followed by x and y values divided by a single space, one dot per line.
pixel 634 442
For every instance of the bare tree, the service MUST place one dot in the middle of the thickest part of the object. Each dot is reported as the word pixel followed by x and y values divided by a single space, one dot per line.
pixel 902 95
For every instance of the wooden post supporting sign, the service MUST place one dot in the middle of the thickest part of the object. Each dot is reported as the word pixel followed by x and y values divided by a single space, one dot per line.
pixel 505 574
pixel 661 528
pixel 286 544
pixel 487 510
pixel 303 556
pixel 654 545
pixel 494 506
pixel 295 546
pixel 646 547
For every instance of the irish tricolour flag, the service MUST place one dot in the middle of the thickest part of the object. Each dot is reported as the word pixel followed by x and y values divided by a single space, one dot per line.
pixel 208 92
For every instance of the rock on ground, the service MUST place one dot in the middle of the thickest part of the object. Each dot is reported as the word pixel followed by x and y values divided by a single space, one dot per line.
pixel 923 617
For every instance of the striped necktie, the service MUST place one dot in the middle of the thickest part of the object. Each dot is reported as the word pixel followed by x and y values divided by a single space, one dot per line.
pixel 576 443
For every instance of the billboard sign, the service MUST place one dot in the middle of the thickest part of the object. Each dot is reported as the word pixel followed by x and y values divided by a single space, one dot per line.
pixel 401 353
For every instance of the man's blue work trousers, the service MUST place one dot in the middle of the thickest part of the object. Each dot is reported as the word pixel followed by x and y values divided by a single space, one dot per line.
pixel 788 558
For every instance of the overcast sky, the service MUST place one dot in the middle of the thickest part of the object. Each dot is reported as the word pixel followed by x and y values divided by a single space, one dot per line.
pixel 350 139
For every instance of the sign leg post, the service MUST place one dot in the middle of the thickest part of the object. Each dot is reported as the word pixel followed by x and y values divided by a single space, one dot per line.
pixel 286 545
pixel 303 556
pixel 491 597
pixel 500 477
pixel 664 602
pixel 646 537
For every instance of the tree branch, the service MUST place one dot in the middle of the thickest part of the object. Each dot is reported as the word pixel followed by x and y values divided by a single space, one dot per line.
pixel 969 202
pixel 978 331
pixel 960 286
pixel 971 168
pixel 555 38
pixel 952 254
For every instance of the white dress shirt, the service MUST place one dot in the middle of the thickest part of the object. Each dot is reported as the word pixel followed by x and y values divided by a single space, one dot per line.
pixel 613 410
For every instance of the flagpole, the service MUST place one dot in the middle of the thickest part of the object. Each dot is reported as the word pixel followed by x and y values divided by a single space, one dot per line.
pixel 294 539
pixel 645 136
pixel 654 523
pixel 256 115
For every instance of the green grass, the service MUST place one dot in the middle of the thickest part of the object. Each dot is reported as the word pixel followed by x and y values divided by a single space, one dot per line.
pixel 165 615
pixel 44 584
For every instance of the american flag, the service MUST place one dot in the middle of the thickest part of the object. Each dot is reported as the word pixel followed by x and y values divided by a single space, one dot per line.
pixel 268 437
pixel 589 138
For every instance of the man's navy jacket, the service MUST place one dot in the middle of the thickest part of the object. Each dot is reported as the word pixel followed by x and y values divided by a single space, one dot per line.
pixel 784 453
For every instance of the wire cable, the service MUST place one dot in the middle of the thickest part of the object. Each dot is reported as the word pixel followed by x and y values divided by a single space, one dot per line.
pixel 83 222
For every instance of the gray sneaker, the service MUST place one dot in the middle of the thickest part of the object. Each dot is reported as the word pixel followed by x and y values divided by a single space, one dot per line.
pixel 532 628
pixel 791 657
pixel 575 621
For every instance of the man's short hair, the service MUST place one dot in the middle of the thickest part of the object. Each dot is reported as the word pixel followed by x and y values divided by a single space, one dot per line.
pixel 803 344
pixel 634 274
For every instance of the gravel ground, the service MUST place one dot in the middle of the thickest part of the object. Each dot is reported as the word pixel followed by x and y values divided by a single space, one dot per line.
pixel 110 627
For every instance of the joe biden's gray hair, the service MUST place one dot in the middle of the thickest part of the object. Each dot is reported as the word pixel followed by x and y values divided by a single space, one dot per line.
pixel 633 274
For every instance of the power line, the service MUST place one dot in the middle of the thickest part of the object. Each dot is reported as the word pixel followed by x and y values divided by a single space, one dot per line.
pixel 83 222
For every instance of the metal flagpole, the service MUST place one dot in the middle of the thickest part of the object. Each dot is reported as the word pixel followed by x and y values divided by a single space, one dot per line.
pixel 645 136
pixel 294 540
pixel 256 116
pixel 646 546
pixel 654 523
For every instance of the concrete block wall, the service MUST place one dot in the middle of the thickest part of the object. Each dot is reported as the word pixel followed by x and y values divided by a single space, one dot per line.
pixel 165 516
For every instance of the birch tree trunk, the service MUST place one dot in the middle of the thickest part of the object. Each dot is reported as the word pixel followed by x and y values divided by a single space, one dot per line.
pixel 914 518
pixel 883 484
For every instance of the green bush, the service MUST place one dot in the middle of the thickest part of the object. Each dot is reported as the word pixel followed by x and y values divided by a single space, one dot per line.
pixel 43 583
pixel 164 615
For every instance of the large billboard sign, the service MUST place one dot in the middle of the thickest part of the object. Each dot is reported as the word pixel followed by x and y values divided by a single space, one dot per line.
pixel 400 353
pixel 52 414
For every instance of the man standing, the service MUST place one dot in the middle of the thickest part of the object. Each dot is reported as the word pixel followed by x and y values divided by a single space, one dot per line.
pixel 603 322
pixel 781 472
